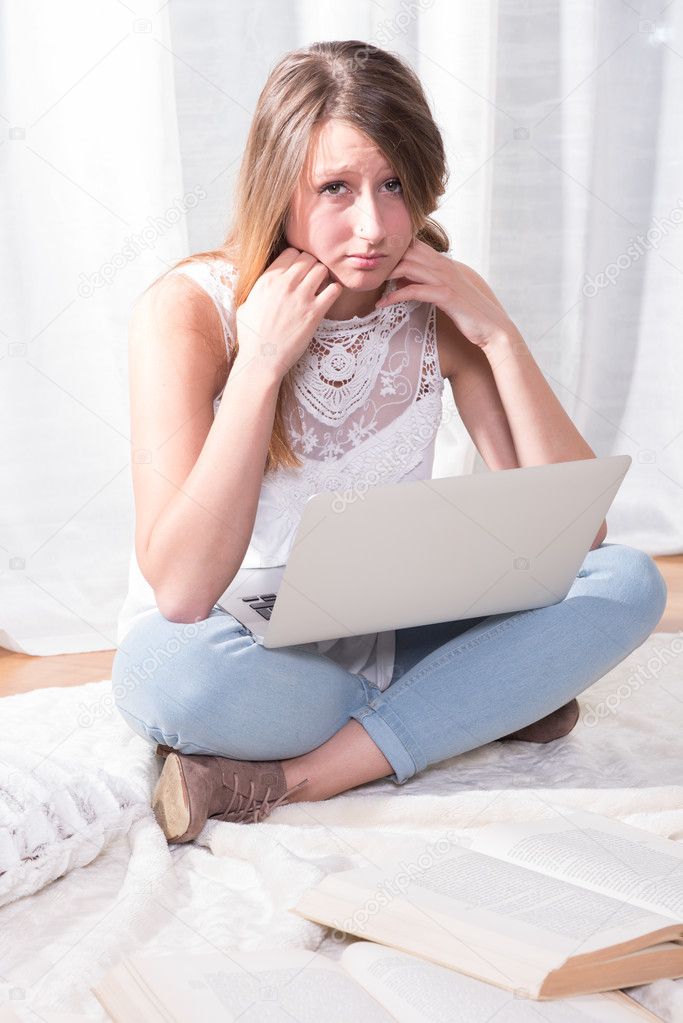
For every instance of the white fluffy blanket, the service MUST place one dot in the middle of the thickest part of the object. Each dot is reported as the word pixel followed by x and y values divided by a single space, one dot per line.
pixel 55 816
pixel 231 889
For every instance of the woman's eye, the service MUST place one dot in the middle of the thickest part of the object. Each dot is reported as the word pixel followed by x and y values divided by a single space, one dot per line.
pixel 334 184
pixel 340 184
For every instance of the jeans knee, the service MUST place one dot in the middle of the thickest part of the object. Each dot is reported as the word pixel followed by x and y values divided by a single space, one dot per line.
pixel 220 691
pixel 127 682
pixel 155 656
pixel 647 589
pixel 658 592
pixel 124 679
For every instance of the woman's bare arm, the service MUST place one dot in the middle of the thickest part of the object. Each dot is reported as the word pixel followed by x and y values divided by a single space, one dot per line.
pixel 196 479
pixel 541 431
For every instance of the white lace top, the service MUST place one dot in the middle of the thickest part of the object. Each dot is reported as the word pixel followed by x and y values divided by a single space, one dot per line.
pixel 368 406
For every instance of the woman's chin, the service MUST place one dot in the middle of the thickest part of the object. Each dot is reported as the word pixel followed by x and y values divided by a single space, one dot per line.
pixel 361 280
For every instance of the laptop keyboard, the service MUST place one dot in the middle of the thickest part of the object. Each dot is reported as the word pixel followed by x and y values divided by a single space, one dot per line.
pixel 263 603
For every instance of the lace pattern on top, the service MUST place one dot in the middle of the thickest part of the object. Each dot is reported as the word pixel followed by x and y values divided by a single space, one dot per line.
pixel 393 370
pixel 339 369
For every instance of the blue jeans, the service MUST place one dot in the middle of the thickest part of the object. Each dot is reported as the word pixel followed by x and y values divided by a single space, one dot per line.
pixel 208 687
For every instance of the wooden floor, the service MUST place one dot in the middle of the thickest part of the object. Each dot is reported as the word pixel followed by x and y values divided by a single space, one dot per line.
pixel 20 673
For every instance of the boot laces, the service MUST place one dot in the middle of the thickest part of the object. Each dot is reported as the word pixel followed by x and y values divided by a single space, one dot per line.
pixel 259 808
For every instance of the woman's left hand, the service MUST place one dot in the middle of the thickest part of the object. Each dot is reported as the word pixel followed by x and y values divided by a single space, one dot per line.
pixel 456 288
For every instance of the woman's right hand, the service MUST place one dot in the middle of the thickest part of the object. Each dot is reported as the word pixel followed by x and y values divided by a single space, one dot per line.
pixel 276 322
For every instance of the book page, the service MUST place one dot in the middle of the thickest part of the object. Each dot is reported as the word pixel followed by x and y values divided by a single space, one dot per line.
pixel 122 997
pixel 259 986
pixel 417 991
pixel 492 904
pixel 438 944
pixel 596 853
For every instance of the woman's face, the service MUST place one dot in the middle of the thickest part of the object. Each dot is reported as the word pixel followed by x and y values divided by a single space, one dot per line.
pixel 349 202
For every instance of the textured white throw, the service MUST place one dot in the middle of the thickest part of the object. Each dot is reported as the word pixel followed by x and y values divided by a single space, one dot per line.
pixel 232 888
pixel 55 816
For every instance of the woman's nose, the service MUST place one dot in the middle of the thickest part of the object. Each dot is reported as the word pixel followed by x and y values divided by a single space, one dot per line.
pixel 368 224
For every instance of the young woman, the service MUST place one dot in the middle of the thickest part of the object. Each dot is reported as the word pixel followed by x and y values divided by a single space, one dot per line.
pixel 309 352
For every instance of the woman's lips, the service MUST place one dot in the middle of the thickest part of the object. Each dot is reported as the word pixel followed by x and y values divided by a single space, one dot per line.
pixel 365 262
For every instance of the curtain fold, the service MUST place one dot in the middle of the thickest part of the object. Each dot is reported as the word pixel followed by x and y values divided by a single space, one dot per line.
pixel 561 125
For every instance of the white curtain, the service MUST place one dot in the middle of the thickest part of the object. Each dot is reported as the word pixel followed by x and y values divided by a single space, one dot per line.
pixel 92 205
pixel 565 163
pixel 586 240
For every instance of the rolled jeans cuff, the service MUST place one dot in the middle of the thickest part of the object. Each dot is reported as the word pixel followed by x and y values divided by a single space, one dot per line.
pixel 394 740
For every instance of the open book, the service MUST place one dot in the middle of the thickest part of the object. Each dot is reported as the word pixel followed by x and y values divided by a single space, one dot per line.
pixel 546 909
pixel 369 983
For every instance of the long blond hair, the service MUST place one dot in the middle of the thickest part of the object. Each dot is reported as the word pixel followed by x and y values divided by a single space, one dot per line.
pixel 364 86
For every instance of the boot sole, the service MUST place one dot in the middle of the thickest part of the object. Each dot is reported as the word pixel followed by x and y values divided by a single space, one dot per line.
pixel 170 800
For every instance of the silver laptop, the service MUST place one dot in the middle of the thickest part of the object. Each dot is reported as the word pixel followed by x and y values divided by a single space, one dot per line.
pixel 430 551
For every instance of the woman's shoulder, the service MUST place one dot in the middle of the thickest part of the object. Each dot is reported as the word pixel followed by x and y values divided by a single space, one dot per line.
pixel 215 276
pixel 215 273
pixel 197 295
pixel 176 303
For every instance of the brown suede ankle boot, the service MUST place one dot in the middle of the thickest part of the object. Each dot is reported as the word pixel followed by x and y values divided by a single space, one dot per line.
pixel 193 787
pixel 552 726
